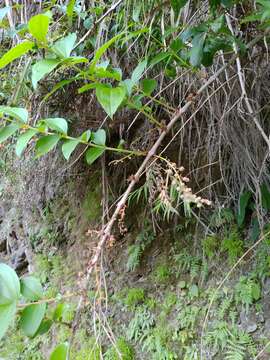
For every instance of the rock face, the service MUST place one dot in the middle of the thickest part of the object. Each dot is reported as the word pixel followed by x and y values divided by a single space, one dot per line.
pixel 248 321
pixel 12 241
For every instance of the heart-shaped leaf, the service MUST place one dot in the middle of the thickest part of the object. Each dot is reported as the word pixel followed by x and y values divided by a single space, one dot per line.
pixel 63 47
pixel 110 98
pixel 100 137
pixel 38 27
pixel 46 143
pixel 31 318
pixel 9 285
pixel 148 86
pixel 7 131
pixel 68 147
pixel 86 135
pixel 60 352
pixel 23 140
pixel 20 114
pixel 93 154
pixel 42 68
pixel 58 124
pixel 31 288
pixel 44 327
pixel 7 315
pixel 196 53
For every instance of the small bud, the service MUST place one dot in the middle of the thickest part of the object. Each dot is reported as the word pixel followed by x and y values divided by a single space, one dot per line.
pixel 185 179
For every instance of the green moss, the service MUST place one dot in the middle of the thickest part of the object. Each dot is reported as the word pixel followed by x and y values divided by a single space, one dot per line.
pixel 43 267
pixel 92 202
pixel 169 301
pixel 85 348
pixel 63 333
pixel 135 296
pixel 233 244
pixel 162 273
pixel 210 245
pixel 123 348
pixel 151 303
pixel 15 346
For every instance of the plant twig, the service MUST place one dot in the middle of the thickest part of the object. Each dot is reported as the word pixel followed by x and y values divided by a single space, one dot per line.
pixel 241 78
pixel 90 31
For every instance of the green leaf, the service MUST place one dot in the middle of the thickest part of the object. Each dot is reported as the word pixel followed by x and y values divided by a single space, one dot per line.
pixel 73 60
pixel 16 52
pixel 70 8
pixel 255 229
pixel 243 203
pixel 93 154
pixel 58 86
pixel 7 315
pixel 159 58
pixel 103 48
pixel 60 352
pixel 194 291
pixel 23 140
pixel 68 147
pixel 46 143
pixel 256 291
pixel 63 47
pixel 59 311
pixel 101 73
pixel 176 45
pixel 100 137
pixel 87 87
pixel 214 4
pixel 9 285
pixel 7 131
pixel 31 288
pixel 20 114
pixel 265 194
pixel 85 136
pixel 44 327
pixel 128 84
pixel 217 24
pixel 211 46
pixel 3 12
pixel 58 124
pixel 138 71
pixel 148 86
pixel 196 53
pixel 136 12
pixel 110 98
pixel 177 5
pixel 31 318
pixel 227 3
pixel 42 68
pixel 38 27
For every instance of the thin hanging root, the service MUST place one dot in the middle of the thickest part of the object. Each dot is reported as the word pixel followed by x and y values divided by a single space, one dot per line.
pixel 243 87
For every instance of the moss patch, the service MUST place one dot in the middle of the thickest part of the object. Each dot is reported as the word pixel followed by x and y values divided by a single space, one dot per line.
pixel 92 202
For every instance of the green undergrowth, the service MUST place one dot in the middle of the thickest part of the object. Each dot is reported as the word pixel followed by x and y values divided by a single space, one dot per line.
pixel 162 313
pixel 169 309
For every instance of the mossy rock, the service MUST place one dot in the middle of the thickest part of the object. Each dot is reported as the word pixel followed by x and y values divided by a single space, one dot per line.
pixel 121 347
pixel 92 201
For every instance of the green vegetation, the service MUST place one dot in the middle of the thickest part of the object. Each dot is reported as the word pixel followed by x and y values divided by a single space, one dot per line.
pixel 134 179
pixel 134 297
pixel 121 350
